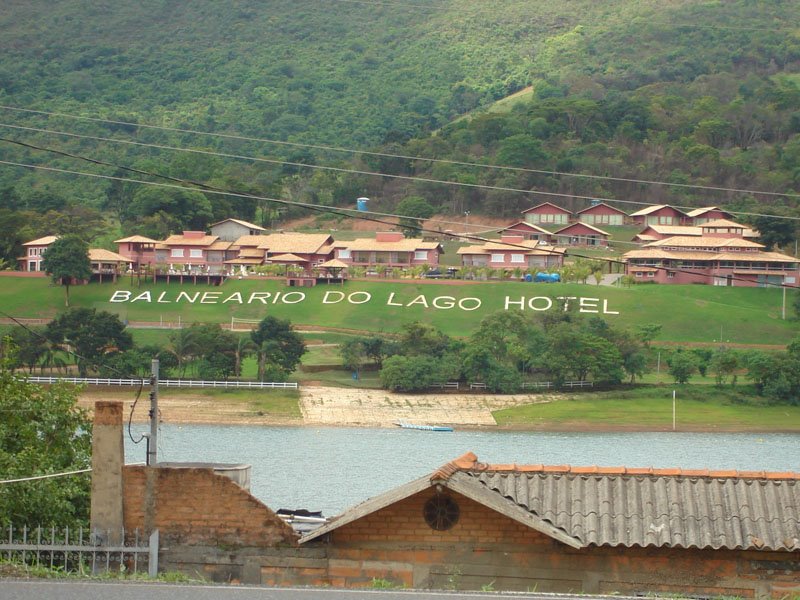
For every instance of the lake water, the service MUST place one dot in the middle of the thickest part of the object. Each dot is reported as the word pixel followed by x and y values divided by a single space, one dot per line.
pixel 332 469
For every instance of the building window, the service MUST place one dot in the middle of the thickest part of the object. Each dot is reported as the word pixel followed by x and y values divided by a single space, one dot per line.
pixel 651 274
pixel 638 273
pixel 441 512
pixel 195 253
pixel 670 274
pixel 420 255
pixel 344 253
pixel 498 258
pixel 517 258
pixel 176 253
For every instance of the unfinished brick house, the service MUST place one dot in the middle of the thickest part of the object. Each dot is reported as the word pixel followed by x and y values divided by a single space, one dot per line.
pixel 469 524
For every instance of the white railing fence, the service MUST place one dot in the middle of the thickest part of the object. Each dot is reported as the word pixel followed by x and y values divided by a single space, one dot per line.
pixel 190 383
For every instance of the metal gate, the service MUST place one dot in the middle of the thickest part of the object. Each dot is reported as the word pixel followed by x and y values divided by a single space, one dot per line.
pixel 81 550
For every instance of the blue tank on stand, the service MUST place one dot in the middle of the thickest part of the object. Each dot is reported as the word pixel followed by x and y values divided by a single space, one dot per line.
pixel 361 204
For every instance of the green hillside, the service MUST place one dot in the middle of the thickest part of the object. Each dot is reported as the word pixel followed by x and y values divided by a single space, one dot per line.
pixel 687 313
pixel 674 90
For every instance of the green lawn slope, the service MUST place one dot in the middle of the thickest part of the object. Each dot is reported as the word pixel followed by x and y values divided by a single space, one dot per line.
pixel 701 314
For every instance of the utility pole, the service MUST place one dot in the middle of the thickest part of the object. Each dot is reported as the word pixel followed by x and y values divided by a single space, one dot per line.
pixel 152 439
pixel 783 306
pixel 673 410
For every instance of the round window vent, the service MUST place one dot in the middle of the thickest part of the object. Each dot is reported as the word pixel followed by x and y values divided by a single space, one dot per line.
pixel 441 512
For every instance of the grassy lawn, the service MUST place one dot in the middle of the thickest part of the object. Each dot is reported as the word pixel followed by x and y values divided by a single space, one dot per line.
pixel 277 403
pixel 697 408
pixel 688 313
pixel 341 378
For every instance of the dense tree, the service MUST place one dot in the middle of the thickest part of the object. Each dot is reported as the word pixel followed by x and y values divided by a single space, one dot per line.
pixel 93 336
pixel 43 431
pixel 573 352
pixel 414 373
pixel 724 363
pixel 30 346
pixel 419 338
pixel 190 209
pixel 216 351
pixel 67 259
pixel 776 375
pixel 378 348
pixel 138 362
pixel 682 365
pixel 774 231
pixel 184 346
pixel 13 233
pixel 278 347
pixel 414 210
pixel 353 354
pixel 84 222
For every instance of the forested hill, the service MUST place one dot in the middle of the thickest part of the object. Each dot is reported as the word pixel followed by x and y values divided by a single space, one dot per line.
pixel 678 90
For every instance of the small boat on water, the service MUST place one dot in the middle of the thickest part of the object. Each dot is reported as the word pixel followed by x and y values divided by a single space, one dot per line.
pixel 405 425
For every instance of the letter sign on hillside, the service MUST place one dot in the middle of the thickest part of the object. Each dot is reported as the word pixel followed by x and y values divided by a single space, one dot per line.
pixel 358 297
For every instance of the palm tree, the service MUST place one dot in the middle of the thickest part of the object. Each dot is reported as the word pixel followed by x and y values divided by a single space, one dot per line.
pixel 244 348
pixel 51 358
pixel 183 346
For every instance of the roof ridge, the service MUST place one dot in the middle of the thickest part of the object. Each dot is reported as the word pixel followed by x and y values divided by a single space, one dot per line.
pixel 465 462
pixel 469 462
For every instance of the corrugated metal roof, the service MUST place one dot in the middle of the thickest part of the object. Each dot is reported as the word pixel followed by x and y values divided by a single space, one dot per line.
pixel 619 506
pixel 679 511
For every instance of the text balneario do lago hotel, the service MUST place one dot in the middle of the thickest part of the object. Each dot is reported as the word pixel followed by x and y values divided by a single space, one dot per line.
pixel 534 303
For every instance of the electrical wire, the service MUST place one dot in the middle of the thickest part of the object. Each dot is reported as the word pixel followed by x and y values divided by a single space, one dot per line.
pixel 377 154
pixel 49 476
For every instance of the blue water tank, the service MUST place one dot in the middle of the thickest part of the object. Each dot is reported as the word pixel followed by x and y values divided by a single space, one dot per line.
pixel 361 204
pixel 528 277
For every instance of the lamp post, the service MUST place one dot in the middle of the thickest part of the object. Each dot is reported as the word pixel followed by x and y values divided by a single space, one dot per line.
pixel 466 222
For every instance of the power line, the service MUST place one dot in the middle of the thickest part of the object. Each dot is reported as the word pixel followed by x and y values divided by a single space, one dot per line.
pixel 50 476
pixel 336 169
pixel 381 154
pixel 204 186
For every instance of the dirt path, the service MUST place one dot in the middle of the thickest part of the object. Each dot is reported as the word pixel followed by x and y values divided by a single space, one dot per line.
pixel 322 406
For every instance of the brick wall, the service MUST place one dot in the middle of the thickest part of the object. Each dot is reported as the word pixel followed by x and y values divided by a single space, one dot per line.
pixel 488 549
pixel 212 527
pixel 195 506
